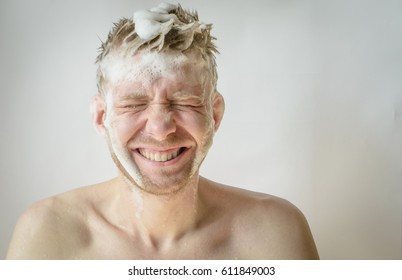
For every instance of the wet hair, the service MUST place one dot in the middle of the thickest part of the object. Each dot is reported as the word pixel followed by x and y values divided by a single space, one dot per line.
pixel 185 34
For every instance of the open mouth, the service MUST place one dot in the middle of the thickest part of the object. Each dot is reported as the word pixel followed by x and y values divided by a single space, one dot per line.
pixel 161 156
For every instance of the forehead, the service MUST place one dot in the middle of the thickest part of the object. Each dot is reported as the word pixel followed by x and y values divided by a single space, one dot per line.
pixel 146 68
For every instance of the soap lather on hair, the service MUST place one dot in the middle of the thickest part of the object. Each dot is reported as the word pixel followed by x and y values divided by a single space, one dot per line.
pixel 159 21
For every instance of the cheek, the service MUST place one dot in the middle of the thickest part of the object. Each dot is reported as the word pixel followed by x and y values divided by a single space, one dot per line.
pixel 123 127
pixel 195 123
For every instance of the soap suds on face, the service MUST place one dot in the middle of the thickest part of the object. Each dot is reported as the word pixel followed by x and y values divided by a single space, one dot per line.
pixel 146 67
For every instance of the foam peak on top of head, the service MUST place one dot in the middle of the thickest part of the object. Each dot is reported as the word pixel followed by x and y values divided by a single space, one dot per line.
pixel 161 19
pixel 151 23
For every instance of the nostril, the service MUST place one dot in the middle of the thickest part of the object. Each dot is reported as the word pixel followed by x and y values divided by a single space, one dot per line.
pixel 160 124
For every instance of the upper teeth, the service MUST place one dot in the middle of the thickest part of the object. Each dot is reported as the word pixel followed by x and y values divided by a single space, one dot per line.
pixel 159 156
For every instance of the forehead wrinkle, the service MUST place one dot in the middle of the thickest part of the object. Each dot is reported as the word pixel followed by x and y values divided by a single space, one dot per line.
pixel 129 89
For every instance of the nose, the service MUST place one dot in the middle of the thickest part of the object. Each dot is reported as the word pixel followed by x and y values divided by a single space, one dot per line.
pixel 160 123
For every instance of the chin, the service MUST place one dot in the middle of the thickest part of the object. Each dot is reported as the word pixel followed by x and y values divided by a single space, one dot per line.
pixel 166 184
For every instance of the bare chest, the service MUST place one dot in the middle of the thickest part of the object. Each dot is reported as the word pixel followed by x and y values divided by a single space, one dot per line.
pixel 213 244
pixel 118 246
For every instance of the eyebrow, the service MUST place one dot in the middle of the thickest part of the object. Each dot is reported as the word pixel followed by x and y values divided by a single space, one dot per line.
pixel 185 95
pixel 133 95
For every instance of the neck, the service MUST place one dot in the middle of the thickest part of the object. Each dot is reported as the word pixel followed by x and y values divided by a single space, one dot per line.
pixel 159 218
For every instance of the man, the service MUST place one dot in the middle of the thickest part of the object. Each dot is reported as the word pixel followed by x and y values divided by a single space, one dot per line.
pixel 158 109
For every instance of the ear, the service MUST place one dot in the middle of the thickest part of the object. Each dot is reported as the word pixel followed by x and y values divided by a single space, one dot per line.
pixel 98 111
pixel 218 109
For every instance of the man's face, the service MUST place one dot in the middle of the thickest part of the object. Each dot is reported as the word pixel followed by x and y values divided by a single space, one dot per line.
pixel 160 119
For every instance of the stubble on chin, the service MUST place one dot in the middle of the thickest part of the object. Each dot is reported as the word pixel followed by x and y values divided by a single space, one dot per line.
pixel 131 174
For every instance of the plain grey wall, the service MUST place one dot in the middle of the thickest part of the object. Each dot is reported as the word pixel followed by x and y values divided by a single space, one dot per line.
pixel 313 95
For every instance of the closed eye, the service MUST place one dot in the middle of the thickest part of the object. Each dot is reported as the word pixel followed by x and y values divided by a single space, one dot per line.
pixel 134 106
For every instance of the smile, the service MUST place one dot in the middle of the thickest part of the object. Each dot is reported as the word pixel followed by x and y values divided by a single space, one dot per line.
pixel 160 156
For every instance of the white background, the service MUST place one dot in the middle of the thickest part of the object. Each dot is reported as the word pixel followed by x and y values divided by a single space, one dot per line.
pixel 313 95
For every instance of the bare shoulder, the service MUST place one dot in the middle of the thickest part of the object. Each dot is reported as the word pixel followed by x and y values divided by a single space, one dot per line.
pixel 51 228
pixel 267 227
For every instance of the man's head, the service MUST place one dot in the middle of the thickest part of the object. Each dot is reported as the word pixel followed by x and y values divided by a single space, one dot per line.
pixel 161 29
pixel 158 105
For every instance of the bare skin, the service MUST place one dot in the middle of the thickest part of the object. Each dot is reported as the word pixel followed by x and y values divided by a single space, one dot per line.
pixel 159 128
pixel 229 223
